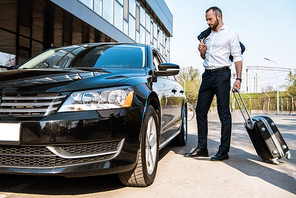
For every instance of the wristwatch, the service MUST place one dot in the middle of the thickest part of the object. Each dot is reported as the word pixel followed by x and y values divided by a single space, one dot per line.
pixel 239 79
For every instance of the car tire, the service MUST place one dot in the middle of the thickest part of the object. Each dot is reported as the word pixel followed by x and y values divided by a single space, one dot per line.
pixel 145 171
pixel 181 138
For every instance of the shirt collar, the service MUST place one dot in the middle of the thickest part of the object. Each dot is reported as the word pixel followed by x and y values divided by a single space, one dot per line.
pixel 222 28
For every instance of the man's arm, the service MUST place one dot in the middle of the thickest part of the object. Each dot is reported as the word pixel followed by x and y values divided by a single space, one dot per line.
pixel 239 68
pixel 235 51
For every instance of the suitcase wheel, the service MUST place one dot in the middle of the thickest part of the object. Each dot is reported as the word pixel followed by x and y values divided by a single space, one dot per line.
pixel 288 155
pixel 275 161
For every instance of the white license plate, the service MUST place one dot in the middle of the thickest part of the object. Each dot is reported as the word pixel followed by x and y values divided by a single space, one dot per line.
pixel 9 133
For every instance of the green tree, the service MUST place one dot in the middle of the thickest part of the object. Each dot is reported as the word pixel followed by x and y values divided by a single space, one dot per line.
pixel 291 84
pixel 190 79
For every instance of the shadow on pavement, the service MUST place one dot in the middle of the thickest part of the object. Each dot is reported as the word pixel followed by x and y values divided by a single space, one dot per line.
pixel 247 163
pixel 56 185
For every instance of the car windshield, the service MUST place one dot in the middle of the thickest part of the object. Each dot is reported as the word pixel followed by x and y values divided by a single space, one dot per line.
pixel 103 56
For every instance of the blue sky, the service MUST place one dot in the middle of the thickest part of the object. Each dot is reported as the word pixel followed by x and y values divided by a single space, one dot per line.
pixel 267 28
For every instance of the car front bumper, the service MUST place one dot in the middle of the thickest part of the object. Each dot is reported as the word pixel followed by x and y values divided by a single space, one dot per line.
pixel 74 144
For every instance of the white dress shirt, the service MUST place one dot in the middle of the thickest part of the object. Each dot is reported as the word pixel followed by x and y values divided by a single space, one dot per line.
pixel 220 45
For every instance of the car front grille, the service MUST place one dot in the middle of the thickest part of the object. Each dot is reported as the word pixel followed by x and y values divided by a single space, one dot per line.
pixel 22 161
pixel 28 105
pixel 65 155
pixel 91 148
pixel 24 150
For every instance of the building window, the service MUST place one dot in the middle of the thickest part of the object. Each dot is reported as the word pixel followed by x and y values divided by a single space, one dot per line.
pixel 132 27
pixel 118 15
pixel 88 3
pixel 120 1
pixel 147 37
pixel 137 37
pixel 125 9
pixel 125 27
pixel 168 49
pixel 138 18
pixel 165 45
pixel 132 4
pixel 155 42
pixel 98 7
pixel 155 31
pixel 108 10
pixel 151 28
pixel 142 35
pixel 148 22
pixel 158 38
pixel 7 59
pixel 142 17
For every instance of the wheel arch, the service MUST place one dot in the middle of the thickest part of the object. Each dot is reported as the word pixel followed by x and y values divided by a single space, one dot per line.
pixel 154 102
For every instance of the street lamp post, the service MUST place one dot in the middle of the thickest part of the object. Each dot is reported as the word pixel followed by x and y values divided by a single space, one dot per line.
pixel 277 85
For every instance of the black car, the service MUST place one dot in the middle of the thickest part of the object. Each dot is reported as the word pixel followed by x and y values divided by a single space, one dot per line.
pixel 91 109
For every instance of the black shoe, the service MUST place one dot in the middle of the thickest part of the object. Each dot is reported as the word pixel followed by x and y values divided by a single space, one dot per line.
pixel 220 156
pixel 197 153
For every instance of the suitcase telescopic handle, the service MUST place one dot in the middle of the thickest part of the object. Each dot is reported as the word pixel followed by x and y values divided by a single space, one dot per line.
pixel 248 120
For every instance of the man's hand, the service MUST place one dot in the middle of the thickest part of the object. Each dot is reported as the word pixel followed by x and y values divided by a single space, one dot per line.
pixel 237 84
pixel 202 49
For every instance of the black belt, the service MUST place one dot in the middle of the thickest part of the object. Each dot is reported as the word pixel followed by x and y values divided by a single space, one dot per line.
pixel 218 69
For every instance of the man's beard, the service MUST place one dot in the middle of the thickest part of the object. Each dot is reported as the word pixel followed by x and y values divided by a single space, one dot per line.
pixel 215 24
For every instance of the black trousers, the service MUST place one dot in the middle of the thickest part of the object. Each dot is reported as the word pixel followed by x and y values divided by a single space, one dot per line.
pixel 216 83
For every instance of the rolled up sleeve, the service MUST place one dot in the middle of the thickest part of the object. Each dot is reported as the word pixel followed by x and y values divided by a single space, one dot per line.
pixel 235 49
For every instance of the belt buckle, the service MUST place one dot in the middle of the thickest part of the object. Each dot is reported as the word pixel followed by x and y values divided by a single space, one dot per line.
pixel 213 70
pixel 210 70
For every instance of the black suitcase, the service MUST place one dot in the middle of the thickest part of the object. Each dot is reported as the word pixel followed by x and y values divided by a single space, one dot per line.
pixel 265 136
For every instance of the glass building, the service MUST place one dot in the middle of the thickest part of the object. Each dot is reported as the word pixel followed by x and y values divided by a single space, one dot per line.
pixel 27 27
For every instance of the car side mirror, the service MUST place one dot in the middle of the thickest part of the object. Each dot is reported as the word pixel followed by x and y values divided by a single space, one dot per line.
pixel 167 69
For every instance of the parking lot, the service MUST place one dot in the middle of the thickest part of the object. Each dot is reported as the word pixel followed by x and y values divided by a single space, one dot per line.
pixel 243 175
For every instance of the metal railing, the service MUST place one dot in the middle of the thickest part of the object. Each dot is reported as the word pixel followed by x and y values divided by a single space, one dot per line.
pixel 287 104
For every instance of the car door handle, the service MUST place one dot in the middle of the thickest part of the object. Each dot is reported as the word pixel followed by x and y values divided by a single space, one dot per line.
pixel 182 91
pixel 174 90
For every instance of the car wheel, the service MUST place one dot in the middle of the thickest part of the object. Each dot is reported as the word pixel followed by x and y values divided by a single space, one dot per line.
pixel 144 173
pixel 181 138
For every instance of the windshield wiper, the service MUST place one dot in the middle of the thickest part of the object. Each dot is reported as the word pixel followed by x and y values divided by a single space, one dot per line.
pixel 86 69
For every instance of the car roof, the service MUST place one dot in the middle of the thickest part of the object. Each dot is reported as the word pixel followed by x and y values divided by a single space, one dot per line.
pixel 114 43
pixel 105 43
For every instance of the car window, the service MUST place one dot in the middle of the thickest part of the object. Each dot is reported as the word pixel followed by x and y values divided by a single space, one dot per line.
pixel 103 56
pixel 60 59
pixel 53 58
pixel 121 56
pixel 156 60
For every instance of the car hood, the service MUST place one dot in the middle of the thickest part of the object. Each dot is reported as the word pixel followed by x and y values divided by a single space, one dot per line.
pixel 62 80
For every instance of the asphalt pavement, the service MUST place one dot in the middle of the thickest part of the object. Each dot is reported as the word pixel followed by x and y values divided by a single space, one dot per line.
pixel 243 175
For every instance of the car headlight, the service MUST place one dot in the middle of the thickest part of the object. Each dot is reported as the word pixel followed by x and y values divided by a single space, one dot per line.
pixel 98 99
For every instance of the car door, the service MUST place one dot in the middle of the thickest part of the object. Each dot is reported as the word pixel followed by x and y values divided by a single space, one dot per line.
pixel 170 94
pixel 174 106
